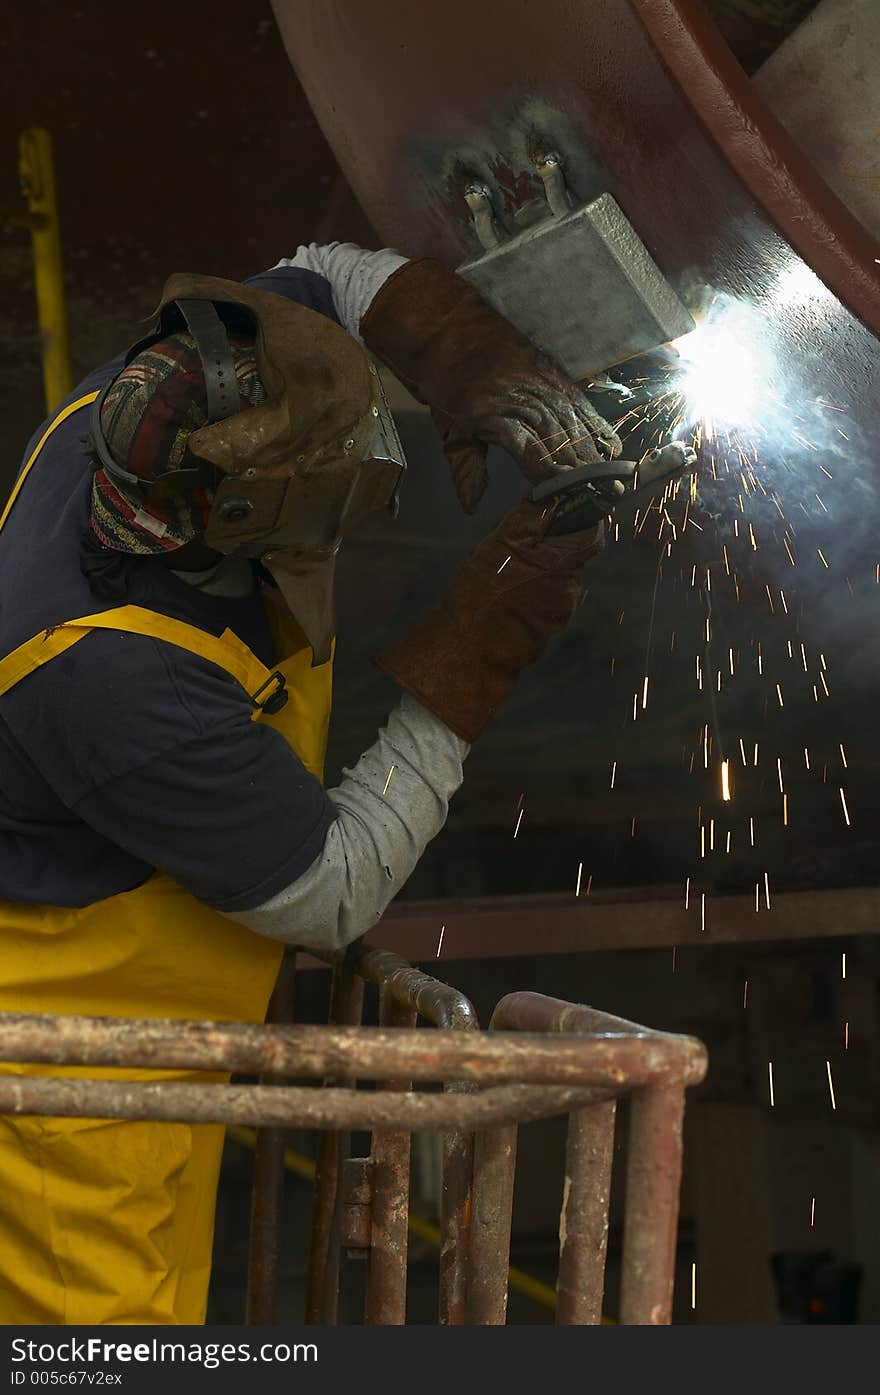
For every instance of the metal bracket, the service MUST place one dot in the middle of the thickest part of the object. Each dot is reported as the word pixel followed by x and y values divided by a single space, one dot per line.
pixel 357 1206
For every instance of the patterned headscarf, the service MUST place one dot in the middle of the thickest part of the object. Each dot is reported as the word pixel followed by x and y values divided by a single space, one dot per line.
pixel 146 418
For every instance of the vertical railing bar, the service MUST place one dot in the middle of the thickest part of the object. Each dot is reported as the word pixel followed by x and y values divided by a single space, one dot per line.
pixel 653 1183
pixel 267 1194
pixel 583 1219
pixel 494 1171
pixel 385 1299
pixel 322 1291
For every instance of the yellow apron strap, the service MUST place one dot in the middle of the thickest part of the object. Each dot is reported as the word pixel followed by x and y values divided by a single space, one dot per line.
pixel 226 651
pixel 26 469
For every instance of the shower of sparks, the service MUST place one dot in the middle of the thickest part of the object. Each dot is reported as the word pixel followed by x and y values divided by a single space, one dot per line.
pixel 830 1085
pixel 388 780
pixel 770 1079
pixel 440 941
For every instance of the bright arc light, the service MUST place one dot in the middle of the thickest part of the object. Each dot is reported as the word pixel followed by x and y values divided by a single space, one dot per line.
pixel 725 368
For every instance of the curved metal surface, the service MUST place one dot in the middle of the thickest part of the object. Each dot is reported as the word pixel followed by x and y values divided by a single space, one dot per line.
pixel 641 97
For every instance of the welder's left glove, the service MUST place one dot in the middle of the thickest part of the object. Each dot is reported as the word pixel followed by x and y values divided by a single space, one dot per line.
pixel 486 383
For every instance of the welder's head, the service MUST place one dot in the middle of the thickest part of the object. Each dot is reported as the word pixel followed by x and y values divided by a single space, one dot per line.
pixel 252 424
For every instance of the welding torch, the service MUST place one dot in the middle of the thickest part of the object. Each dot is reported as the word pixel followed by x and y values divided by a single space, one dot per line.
pixel 590 492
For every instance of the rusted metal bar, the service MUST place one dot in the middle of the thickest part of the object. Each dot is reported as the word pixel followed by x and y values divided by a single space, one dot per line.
pixel 344 1051
pixel 492 927
pixel 385 1302
pixel 654 1164
pixel 651 1206
pixel 583 1220
pixel 446 1008
pixel 322 1290
pixel 267 1195
pixel 494 1170
pixel 456 1214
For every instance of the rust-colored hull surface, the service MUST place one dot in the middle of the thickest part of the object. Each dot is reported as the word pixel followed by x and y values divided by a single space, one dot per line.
pixel 641 97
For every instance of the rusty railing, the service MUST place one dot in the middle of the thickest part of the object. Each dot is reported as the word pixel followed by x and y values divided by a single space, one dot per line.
pixel 542 1058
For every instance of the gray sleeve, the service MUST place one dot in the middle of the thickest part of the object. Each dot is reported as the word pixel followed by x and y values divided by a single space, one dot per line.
pixel 355 276
pixel 390 806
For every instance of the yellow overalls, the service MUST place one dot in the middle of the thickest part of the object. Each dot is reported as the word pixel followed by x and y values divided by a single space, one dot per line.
pixel 112 1221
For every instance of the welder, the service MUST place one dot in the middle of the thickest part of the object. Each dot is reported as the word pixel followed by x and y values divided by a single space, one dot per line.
pixel 166 639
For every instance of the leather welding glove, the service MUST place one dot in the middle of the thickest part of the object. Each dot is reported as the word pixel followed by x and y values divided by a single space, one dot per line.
pixel 518 589
pixel 486 383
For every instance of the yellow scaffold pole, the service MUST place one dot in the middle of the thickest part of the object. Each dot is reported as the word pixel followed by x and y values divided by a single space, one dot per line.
pixel 37 171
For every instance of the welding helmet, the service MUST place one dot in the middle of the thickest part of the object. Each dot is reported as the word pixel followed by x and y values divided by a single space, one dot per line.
pixel 290 476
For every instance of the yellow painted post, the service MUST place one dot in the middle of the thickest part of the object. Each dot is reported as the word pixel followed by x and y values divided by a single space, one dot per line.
pixel 37 171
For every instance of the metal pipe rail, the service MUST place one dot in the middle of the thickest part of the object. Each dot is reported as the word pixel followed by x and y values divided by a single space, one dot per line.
pixel 543 1057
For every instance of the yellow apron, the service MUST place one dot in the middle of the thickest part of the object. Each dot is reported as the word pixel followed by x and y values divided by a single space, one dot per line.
pixel 112 1222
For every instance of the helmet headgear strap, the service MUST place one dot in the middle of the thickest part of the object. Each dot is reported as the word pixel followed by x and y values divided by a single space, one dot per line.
pixel 221 385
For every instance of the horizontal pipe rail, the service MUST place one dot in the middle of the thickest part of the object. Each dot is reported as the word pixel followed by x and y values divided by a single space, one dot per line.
pixel 263 1106
pixel 616 1062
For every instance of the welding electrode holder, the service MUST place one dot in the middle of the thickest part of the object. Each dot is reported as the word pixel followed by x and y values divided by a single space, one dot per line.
pixel 590 492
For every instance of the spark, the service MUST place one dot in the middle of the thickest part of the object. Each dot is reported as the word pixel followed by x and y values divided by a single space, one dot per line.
pixel 725 781
pixel 830 1085
pixel 779 773
pixel 503 565
pixel 822 555
pixel 846 1036
pixel 577 890
pixel 812 1212
pixel 694 1284
pixel 645 694
pixel 388 781
pixel 613 773
pixel 702 913
pixel 843 964
pixel 673 958
pixel 845 810
pixel 440 941
pixel 518 822
pixel 745 993
pixel 806 757
pixel 767 890
pixel 785 811
pixel 751 832
pixel 843 756
pixel 826 472
pixel 770 1078
pixel 687 892
pixel 757 898
pixel 779 695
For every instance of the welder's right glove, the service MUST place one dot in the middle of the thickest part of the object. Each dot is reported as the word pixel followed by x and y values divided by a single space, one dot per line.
pixel 518 589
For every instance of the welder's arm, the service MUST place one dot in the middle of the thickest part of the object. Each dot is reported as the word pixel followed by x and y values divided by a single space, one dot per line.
pixel 354 275
pixel 390 806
